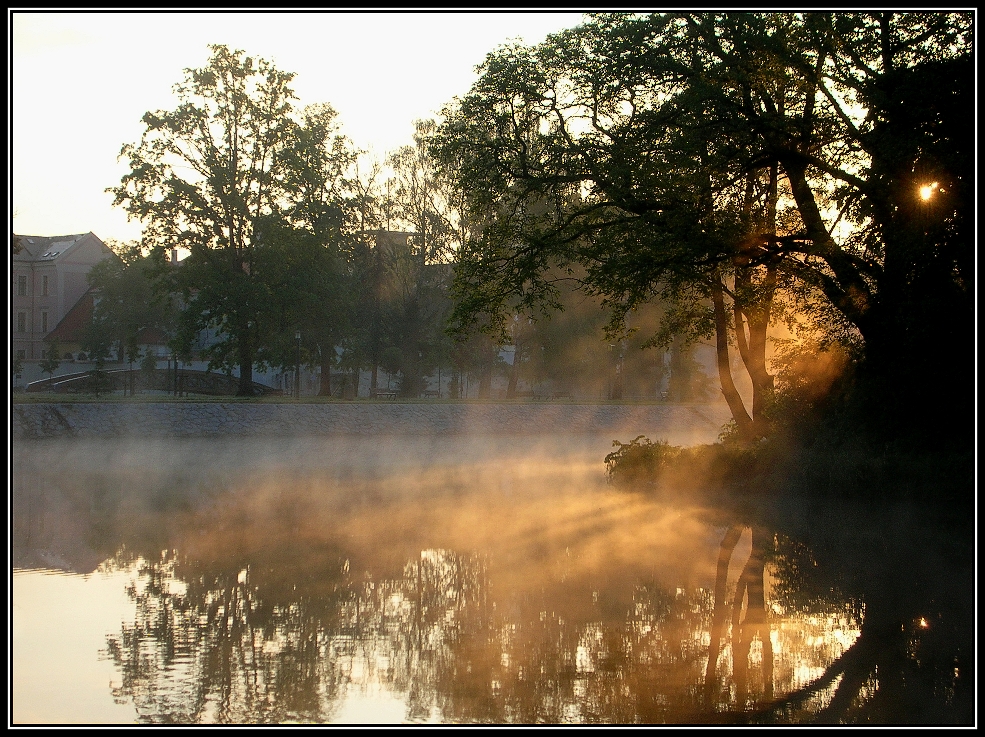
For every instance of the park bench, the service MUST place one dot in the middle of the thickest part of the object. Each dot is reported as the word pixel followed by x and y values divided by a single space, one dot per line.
pixel 380 394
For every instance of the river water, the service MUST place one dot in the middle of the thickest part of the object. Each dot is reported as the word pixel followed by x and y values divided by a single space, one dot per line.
pixel 475 580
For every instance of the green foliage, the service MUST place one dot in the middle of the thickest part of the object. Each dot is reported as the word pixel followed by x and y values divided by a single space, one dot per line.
pixel 129 297
pixel 148 363
pixel 771 159
pixel 801 584
pixel 476 356
pixel 255 193
pixel 51 363
pixel 98 381
pixel 420 196
pixel 640 461
pixel 399 309
pixel 391 360
pixel 403 302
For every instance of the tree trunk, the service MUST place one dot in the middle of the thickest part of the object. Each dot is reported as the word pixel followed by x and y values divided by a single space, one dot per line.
pixel 752 348
pixel 729 542
pixel 753 303
pixel 485 382
pixel 514 373
pixel 735 404
pixel 848 290
pixel 325 383
pixel 755 622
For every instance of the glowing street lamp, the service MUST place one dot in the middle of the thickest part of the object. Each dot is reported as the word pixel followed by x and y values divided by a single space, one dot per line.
pixel 927 191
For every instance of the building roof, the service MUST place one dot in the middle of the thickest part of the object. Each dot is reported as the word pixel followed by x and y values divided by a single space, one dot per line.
pixel 70 328
pixel 47 248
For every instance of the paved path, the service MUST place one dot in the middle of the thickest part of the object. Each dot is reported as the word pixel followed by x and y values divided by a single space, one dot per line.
pixel 681 424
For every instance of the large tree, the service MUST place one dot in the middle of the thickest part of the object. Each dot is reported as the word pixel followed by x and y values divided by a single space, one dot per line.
pixel 307 264
pixel 862 113
pixel 232 174
pixel 421 200
pixel 739 164
pixel 570 176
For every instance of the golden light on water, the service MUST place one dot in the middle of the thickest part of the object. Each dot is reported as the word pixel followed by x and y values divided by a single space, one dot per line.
pixel 449 582
pixel 927 191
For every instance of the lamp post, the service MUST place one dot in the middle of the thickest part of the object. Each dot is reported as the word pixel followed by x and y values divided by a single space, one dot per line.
pixel 297 367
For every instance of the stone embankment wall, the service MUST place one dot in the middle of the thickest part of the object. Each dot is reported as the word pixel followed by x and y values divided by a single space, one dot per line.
pixel 677 423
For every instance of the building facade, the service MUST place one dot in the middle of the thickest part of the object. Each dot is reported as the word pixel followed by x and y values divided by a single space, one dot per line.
pixel 49 279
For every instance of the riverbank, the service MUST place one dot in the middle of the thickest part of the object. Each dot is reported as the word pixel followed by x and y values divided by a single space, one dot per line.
pixel 683 424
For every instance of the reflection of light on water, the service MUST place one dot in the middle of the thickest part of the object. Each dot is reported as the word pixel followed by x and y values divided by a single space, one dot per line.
pixel 58 640
pixel 583 660
pixel 263 640
pixel 370 704
pixel 756 652
pixel 803 647
pixel 372 669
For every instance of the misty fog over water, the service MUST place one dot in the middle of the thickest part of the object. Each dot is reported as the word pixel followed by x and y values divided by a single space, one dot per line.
pixel 469 579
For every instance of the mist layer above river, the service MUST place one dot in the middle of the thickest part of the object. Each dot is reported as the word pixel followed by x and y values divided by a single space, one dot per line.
pixel 396 579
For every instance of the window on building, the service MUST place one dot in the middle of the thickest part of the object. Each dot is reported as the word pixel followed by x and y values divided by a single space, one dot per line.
pixel 21 322
pixel 22 354
pixel 21 286
pixel 44 322
pixel 44 285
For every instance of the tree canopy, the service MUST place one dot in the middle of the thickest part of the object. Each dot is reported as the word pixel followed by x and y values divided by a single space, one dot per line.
pixel 239 178
pixel 744 165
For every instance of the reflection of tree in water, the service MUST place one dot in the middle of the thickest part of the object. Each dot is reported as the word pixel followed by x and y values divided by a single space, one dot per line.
pixel 254 646
pixel 293 614
pixel 755 650
pixel 291 639
pixel 206 648
pixel 903 578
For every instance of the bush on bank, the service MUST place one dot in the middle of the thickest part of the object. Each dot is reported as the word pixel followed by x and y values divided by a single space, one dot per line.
pixel 850 466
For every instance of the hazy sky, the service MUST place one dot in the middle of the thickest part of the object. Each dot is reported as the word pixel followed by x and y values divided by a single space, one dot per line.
pixel 80 83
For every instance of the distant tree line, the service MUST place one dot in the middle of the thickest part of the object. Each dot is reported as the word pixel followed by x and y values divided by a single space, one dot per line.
pixel 288 231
